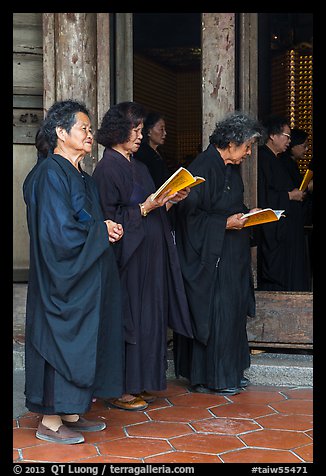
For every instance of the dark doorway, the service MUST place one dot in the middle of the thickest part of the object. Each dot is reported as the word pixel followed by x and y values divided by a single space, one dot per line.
pixel 167 79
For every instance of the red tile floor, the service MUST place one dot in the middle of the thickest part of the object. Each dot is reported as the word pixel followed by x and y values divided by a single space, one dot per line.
pixel 263 424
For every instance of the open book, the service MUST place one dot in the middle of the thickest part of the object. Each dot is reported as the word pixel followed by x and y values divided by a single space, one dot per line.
pixel 263 216
pixel 306 179
pixel 182 178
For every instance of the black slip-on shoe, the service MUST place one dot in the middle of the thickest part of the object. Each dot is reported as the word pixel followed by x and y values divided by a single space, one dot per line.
pixel 201 389
pixel 244 382
pixel 227 391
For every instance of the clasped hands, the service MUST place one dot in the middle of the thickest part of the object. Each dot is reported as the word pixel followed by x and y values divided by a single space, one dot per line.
pixel 115 230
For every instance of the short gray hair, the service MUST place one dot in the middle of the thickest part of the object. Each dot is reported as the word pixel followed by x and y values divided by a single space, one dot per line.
pixel 236 127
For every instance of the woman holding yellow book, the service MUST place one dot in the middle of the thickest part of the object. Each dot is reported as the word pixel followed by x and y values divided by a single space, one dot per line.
pixel 214 250
pixel 152 287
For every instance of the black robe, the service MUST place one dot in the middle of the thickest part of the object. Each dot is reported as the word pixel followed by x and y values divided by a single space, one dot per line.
pixel 155 163
pixel 158 169
pixel 74 332
pixel 216 267
pixel 152 286
pixel 281 252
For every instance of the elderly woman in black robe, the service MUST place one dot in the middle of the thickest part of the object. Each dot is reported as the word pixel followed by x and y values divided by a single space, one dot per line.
pixel 215 259
pixel 74 340
pixel 152 287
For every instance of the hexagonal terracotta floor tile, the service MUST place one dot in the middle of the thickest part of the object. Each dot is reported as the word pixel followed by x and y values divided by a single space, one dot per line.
pixel 110 433
pixel 134 447
pixel 277 439
pixel 123 417
pixel 242 410
pixel 183 457
pixel 24 437
pixel 257 397
pixel 31 421
pixel 297 393
pixel 226 426
pixel 206 443
pixel 305 452
pixel 51 452
pixel 299 407
pixel 250 455
pixel 111 459
pixel 179 414
pixel 287 422
pixel 197 400
pixel 159 429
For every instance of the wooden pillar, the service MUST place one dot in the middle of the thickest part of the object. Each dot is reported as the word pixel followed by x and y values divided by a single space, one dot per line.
pixel 248 102
pixel 218 69
pixel 70 63
pixel 248 95
pixel 124 57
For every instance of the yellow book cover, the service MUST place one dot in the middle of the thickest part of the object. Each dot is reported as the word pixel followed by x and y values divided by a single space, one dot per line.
pixel 182 178
pixel 306 179
pixel 263 216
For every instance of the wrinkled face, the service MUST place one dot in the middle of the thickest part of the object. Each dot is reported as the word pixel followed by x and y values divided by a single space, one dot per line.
pixel 281 141
pixel 80 137
pixel 238 153
pixel 157 134
pixel 135 137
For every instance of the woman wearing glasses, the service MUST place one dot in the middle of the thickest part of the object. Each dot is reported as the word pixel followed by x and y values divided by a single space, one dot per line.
pixel 281 254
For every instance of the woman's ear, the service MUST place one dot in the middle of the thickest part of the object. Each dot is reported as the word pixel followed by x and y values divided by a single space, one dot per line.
pixel 60 132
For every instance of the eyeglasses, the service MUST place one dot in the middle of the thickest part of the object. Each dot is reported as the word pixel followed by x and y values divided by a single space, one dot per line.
pixel 286 135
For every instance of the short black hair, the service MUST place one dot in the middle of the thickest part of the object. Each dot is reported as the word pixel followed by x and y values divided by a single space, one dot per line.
pixel 41 145
pixel 236 127
pixel 118 121
pixel 298 136
pixel 151 119
pixel 274 124
pixel 61 114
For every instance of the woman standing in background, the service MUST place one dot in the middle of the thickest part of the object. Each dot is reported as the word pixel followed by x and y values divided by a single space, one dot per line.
pixel 154 134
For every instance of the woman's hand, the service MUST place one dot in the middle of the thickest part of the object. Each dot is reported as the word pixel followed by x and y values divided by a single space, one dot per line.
pixel 181 195
pixel 235 222
pixel 151 203
pixel 115 230
pixel 297 195
pixel 177 197
pixel 164 199
pixel 254 210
